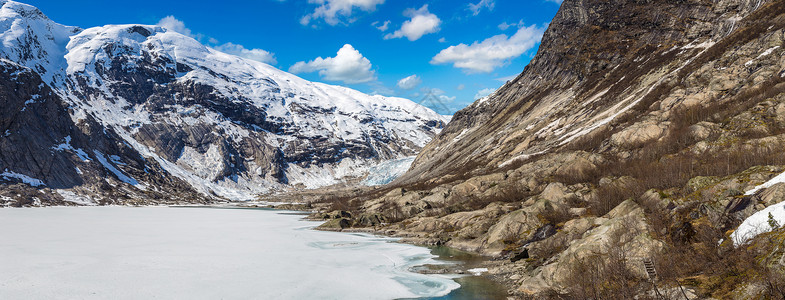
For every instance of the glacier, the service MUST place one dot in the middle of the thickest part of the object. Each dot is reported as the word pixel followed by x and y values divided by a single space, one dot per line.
pixel 388 171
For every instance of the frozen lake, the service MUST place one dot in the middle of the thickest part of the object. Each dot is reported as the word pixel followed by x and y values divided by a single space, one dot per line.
pixel 199 253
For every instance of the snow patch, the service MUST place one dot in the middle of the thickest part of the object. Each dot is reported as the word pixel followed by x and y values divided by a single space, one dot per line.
pixel 765 53
pixel 9 175
pixel 521 157
pixel 76 198
pixel 759 223
pixel 777 179
pixel 122 177
pixel 705 45
pixel 460 135
pixel 66 145
pixel 207 165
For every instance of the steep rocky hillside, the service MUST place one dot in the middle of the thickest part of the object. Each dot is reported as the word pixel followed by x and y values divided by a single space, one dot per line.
pixel 599 62
pixel 642 131
pixel 229 127
pixel 55 159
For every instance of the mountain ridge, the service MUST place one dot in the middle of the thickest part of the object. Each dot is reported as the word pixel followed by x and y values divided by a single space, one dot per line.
pixel 232 128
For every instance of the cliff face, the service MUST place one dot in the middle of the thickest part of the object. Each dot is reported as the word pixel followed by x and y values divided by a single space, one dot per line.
pixel 597 61
pixel 642 131
pixel 51 156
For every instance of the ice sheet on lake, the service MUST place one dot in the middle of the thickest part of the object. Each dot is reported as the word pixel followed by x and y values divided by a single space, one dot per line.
pixel 199 253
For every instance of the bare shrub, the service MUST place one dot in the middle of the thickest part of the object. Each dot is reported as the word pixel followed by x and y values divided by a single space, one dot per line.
pixel 556 215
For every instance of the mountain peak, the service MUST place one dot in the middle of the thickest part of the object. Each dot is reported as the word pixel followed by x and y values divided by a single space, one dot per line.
pixel 228 126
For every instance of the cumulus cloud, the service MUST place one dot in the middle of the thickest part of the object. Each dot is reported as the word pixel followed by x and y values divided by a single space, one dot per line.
pixel 489 4
pixel 173 24
pixel 492 52
pixel 446 99
pixel 348 66
pixel 334 12
pixel 383 27
pixel 421 22
pixel 410 82
pixel 254 54
pixel 483 92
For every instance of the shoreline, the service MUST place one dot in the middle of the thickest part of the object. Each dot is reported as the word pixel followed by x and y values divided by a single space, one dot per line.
pixel 467 260
pixel 495 272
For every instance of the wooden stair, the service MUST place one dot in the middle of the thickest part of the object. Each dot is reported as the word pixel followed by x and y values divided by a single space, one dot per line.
pixel 648 264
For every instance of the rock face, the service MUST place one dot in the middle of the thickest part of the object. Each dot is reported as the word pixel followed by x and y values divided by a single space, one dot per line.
pixel 45 149
pixel 642 131
pixel 229 127
pixel 605 61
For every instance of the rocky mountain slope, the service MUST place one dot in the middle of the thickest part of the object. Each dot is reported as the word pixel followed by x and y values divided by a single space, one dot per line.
pixel 600 62
pixel 174 109
pixel 642 131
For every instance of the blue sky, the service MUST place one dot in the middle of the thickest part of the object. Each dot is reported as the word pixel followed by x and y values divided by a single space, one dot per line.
pixel 455 50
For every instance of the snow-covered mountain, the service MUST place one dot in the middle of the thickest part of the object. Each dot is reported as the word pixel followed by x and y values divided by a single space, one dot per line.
pixel 227 126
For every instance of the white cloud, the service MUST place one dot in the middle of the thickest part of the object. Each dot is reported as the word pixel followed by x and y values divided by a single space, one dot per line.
pixel 460 87
pixel 410 82
pixel 505 25
pixel 254 54
pixel 422 22
pixel 555 1
pixel 335 12
pixel 442 40
pixel 483 92
pixel 489 4
pixel 492 52
pixel 445 98
pixel 348 66
pixel 173 24
pixel 383 27
pixel 434 91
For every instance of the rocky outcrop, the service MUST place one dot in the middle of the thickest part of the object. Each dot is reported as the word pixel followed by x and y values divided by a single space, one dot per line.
pixel 623 230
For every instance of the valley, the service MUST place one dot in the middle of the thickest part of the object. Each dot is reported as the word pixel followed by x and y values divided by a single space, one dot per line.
pixel 638 155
